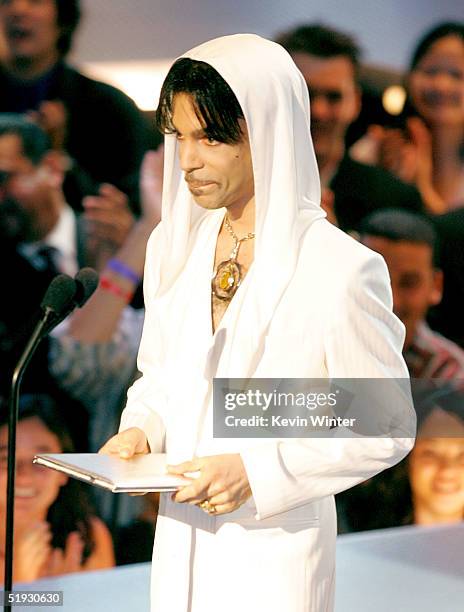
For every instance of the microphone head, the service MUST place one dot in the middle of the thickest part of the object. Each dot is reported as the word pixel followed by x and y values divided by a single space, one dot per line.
pixel 86 283
pixel 59 295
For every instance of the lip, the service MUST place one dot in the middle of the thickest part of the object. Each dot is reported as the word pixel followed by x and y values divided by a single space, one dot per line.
pixel 198 189
pixel 438 99
pixel 18 34
pixel 320 129
pixel 448 490
pixel 25 493
pixel 199 184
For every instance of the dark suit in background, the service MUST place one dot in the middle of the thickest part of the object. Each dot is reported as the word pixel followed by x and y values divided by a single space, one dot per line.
pixel 107 135
pixel 448 316
pixel 360 189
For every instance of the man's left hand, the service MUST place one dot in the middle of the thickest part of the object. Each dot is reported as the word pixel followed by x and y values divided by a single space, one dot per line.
pixel 222 482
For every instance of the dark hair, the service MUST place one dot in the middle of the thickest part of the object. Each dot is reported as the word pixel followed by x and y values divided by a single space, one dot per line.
pixel 215 103
pixel 397 225
pixel 322 41
pixel 449 28
pixel 35 142
pixel 72 510
pixel 69 16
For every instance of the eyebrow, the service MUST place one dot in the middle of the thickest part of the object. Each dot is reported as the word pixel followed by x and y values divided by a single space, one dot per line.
pixel 200 133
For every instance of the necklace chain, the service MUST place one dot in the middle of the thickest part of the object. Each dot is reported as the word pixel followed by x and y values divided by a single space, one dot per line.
pixel 229 273
pixel 237 240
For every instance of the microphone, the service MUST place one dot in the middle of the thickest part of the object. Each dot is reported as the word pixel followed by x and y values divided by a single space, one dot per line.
pixel 63 295
pixel 84 284
pixel 59 295
pixel 87 282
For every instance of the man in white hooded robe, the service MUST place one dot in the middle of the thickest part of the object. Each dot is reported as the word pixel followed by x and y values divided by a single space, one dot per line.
pixel 256 530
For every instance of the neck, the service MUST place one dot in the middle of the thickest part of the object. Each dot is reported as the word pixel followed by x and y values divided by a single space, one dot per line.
pixel 425 516
pixel 28 69
pixel 242 217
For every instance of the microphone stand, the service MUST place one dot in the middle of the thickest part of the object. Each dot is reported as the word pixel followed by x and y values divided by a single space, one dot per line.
pixel 62 296
pixel 38 334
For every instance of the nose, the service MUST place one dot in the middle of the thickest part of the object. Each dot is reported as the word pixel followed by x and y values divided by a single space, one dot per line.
pixel 189 156
pixel 448 468
pixel 320 107
pixel 24 464
pixel 24 469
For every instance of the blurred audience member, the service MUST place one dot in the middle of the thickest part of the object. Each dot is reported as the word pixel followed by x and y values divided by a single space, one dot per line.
pixel 44 236
pixel 329 62
pixel 436 470
pixel 429 152
pixel 34 212
pixel 99 127
pixel 407 242
pixel 56 531
pixel 93 354
pixel 427 488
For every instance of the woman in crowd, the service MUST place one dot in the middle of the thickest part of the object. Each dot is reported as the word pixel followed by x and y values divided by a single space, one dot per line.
pixel 429 151
pixel 55 529
pixel 427 488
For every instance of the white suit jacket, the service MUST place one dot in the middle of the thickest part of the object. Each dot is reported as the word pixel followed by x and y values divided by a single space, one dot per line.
pixel 334 320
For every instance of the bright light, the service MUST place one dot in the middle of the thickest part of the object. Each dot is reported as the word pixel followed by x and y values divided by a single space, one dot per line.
pixel 141 80
pixel 393 99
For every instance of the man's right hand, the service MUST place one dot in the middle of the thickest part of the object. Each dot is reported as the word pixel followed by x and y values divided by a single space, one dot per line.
pixel 127 443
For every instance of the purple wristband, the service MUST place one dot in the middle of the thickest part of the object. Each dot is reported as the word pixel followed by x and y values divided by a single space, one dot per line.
pixel 120 268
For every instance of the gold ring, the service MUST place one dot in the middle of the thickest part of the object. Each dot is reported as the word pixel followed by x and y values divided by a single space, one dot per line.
pixel 207 507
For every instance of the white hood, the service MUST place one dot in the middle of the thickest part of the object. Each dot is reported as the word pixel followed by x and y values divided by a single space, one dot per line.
pixel 274 98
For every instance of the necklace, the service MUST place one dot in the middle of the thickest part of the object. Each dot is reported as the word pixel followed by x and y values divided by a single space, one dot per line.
pixel 229 272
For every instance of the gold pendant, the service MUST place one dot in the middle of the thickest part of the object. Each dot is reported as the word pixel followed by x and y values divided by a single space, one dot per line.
pixel 226 280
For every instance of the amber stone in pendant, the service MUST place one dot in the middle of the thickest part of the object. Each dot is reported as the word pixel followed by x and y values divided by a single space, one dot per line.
pixel 226 280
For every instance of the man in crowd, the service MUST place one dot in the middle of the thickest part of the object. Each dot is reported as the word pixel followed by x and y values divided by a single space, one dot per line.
pixel 99 127
pixel 34 212
pixel 329 62
pixel 40 236
pixel 407 242
pixel 291 296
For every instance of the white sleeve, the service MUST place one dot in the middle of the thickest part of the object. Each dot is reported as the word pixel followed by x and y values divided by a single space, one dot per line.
pixel 146 398
pixel 363 339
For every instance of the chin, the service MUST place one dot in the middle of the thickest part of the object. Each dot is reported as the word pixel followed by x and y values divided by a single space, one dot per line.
pixel 207 204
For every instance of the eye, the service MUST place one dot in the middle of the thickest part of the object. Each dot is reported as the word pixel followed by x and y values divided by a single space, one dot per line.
pixel 456 74
pixel 427 454
pixel 211 141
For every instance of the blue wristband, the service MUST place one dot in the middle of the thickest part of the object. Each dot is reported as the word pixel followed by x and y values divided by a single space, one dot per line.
pixel 120 268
